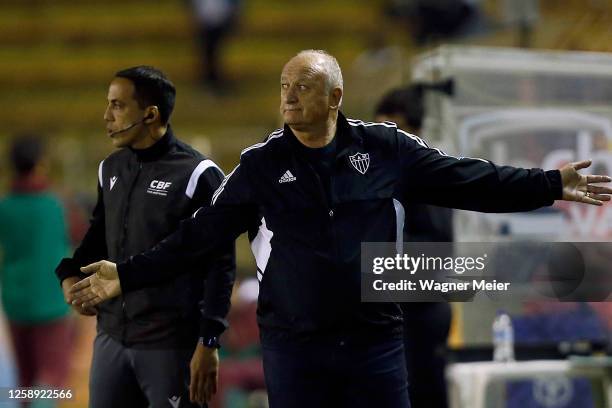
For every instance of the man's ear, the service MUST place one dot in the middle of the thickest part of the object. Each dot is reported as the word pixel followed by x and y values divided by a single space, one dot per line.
pixel 335 98
pixel 151 114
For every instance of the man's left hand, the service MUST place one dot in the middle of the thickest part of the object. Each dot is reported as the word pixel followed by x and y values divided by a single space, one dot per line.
pixel 582 188
pixel 204 369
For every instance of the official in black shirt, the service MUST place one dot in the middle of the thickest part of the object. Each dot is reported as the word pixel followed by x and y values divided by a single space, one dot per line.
pixel 152 343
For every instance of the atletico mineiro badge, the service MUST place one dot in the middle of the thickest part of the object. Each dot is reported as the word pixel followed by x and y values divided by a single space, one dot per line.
pixel 360 161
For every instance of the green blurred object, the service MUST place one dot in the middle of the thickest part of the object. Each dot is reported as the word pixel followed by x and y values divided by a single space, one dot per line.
pixel 33 239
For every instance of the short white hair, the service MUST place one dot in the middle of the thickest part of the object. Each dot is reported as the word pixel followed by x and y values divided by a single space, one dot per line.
pixel 330 67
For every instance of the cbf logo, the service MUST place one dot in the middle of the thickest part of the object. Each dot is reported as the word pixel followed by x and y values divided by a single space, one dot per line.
pixel 158 187
pixel 360 161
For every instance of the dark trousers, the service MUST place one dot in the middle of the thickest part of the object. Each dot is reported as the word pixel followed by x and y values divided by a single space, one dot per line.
pixel 426 328
pixel 138 378
pixel 340 374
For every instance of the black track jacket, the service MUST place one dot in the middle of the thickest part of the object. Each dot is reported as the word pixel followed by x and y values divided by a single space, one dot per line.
pixel 308 248
pixel 142 197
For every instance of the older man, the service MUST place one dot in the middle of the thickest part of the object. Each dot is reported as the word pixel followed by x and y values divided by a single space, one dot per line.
pixel 318 188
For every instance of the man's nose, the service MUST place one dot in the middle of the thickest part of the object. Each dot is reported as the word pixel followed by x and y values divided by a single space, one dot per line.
pixel 291 95
pixel 107 115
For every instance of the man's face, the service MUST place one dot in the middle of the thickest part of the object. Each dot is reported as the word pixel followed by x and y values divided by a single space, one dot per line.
pixel 305 101
pixel 123 111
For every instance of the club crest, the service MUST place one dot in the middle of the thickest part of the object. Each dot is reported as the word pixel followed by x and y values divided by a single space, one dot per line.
pixel 360 161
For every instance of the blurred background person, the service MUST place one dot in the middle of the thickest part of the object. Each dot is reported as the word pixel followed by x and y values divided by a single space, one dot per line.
pixel 434 20
pixel 214 20
pixel 33 238
pixel 426 324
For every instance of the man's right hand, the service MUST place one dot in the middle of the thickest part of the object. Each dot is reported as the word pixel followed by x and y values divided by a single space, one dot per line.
pixel 66 285
pixel 102 284
pixel 204 369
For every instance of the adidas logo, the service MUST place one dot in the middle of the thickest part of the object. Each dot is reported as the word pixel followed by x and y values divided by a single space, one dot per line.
pixel 287 177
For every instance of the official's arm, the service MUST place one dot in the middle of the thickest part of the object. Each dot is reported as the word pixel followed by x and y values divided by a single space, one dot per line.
pixel 92 247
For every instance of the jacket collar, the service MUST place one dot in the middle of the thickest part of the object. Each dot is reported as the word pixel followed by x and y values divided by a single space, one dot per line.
pixel 346 137
pixel 159 148
pixel 349 138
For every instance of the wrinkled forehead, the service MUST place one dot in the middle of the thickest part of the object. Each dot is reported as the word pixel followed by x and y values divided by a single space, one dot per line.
pixel 303 67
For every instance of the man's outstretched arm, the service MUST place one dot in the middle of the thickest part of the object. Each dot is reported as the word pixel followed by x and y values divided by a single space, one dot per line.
pixel 229 216
pixel 431 177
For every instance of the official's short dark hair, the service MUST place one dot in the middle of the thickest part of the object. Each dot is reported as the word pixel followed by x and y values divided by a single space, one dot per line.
pixel 407 101
pixel 26 151
pixel 151 88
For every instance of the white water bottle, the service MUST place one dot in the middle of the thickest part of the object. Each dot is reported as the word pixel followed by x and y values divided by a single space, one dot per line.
pixel 503 338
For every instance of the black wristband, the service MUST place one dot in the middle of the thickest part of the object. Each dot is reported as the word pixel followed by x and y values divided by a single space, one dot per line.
pixel 210 342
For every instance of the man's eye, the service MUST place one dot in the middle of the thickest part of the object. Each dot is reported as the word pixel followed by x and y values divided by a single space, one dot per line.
pixel 284 86
pixel 302 87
